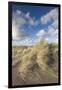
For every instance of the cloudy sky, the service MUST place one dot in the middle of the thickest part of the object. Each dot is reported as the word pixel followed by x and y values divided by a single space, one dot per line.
pixel 31 24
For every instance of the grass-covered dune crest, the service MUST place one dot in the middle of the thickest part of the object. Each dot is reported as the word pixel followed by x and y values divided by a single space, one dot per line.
pixel 35 64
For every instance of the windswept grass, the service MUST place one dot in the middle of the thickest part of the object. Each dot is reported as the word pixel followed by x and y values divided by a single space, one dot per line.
pixel 36 64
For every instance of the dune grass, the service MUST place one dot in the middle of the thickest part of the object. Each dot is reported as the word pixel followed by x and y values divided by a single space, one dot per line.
pixel 38 62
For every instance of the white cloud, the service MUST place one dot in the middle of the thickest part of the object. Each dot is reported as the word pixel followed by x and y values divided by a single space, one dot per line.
pixel 41 34
pixel 31 20
pixel 54 24
pixel 52 15
pixel 27 15
pixel 17 34
pixel 51 35
pixel 18 12
pixel 17 23
pixel 25 42
pixel 18 20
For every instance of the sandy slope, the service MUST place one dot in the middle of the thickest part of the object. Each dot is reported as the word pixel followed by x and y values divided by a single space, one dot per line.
pixel 31 65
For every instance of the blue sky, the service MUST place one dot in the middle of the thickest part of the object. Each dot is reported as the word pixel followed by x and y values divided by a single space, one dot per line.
pixel 31 24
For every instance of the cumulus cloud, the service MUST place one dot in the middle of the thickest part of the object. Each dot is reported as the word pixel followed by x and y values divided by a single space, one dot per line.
pixel 18 12
pixel 51 16
pixel 17 34
pixel 17 31
pixel 40 35
pixel 25 42
pixel 19 19
pixel 51 35
pixel 27 15
pixel 54 24
pixel 31 20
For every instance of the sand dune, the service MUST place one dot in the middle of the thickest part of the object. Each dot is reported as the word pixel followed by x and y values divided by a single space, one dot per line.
pixel 37 64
